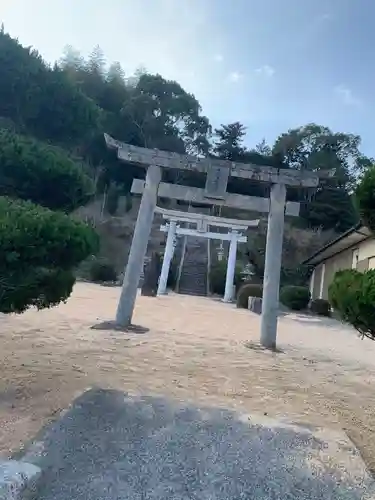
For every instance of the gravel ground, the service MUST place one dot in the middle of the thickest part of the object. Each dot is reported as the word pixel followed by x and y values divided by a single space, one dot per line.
pixel 196 351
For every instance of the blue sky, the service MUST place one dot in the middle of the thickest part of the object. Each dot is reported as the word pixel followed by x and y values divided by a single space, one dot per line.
pixel 271 64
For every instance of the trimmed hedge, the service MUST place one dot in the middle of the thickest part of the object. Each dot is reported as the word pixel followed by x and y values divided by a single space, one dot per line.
pixel 38 287
pixel 338 290
pixel 352 295
pixel 33 236
pixel 218 275
pixel 294 297
pixel 321 307
pixel 246 291
pixel 38 251
pixel 101 271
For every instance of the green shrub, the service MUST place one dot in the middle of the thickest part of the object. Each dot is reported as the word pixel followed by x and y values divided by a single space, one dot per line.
pixel 320 307
pixel 38 287
pixel 38 251
pixel 101 271
pixel 33 236
pixel 218 274
pixel 342 282
pixel 253 280
pixel 295 297
pixel 352 294
pixel 41 173
pixel 246 291
pixel 40 248
pixel 297 276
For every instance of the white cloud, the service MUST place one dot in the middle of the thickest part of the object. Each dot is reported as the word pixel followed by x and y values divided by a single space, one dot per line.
pixel 235 76
pixel 346 95
pixel 265 70
pixel 218 58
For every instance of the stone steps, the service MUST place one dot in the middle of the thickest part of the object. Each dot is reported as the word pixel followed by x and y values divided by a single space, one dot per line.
pixel 194 293
pixel 193 280
pixel 194 270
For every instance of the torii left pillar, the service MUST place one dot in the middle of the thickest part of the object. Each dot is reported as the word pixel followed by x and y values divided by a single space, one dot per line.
pixel 231 268
pixel 138 247
pixel 168 256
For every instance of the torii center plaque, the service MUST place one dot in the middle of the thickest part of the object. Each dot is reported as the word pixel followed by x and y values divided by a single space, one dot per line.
pixel 216 182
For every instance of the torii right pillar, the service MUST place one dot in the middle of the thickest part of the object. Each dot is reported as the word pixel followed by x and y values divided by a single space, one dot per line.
pixel 272 268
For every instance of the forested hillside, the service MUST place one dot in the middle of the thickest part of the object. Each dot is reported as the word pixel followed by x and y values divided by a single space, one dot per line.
pixel 71 105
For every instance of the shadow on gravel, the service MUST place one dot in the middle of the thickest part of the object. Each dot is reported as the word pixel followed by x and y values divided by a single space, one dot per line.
pixel 110 446
pixel 111 325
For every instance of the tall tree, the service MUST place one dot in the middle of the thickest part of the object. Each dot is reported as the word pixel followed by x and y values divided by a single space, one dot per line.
pixel 41 100
pixel 167 116
pixel 228 143
pixel 147 110
pixel 314 147
pixel 263 148
pixel 116 73
pixel 365 197
pixel 71 60
pixel 153 112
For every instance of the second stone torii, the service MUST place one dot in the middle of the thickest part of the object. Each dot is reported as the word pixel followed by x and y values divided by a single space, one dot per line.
pixel 202 229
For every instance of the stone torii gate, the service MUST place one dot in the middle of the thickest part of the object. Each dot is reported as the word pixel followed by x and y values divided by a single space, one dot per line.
pixel 202 229
pixel 217 175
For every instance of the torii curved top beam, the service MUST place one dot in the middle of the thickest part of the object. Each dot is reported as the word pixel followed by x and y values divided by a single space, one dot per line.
pixel 165 159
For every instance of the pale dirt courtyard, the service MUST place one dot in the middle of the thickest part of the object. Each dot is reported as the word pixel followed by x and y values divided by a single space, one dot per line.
pixel 195 351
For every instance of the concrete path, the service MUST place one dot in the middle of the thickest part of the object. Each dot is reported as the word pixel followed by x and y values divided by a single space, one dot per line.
pixel 110 446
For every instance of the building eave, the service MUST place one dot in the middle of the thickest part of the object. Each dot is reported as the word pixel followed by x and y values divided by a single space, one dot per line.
pixel 349 239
